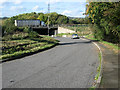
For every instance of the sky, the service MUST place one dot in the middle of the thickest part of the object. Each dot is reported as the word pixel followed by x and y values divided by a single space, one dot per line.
pixel 72 8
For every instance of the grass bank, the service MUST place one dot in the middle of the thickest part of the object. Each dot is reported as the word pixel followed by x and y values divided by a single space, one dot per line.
pixel 112 46
pixel 80 29
pixel 20 44
pixel 99 67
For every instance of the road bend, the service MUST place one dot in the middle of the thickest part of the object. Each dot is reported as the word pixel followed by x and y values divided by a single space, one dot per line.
pixel 71 64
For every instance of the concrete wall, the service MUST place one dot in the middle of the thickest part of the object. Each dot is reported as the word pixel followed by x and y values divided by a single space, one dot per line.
pixel 64 30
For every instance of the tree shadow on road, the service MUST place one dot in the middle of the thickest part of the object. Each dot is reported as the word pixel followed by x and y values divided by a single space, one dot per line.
pixel 82 42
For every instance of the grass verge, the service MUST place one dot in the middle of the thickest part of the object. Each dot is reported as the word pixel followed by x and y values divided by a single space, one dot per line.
pixel 99 68
pixel 80 29
pixel 61 34
pixel 112 46
pixel 92 88
pixel 98 73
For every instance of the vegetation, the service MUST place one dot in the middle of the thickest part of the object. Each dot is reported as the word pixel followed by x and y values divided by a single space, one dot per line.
pixel 81 29
pixel 91 36
pixel 81 20
pixel 2 20
pixel 114 47
pixel 92 88
pixel 22 42
pixel 19 41
pixel 55 19
pixel 105 18
pixel 99 68
pixel 61 34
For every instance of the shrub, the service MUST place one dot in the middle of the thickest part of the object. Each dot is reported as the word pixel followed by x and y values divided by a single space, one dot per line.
pixel 31 33
pixel 8 27
pixel 26 29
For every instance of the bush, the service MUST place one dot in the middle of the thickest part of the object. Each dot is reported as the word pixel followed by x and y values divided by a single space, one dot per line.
pixel 98 33
pixel 31 33
pixel 26 29
pixel 8 27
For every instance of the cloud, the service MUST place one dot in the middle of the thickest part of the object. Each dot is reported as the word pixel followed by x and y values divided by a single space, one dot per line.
pixel 46 1
pixel 18 8
pixel 35 8
pixel 66 12
pixel 74 13
pixel 18 1
pixel 1 7
pixel 3 1
pixel 11 1
pixel 52 1
pixel 42 11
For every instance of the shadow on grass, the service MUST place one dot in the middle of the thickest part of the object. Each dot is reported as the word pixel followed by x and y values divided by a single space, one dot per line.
pixel 95 40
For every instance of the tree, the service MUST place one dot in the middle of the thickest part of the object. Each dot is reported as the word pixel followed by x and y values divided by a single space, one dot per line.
pixel 106 17
pixel 8 27
pixel 41 17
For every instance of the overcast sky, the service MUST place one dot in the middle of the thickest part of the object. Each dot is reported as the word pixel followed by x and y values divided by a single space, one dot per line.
pixel 73 8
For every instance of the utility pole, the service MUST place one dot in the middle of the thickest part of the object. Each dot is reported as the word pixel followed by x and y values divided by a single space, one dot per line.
pixel 48 17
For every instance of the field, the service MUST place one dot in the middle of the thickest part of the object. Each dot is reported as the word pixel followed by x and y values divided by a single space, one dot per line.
pixel 20 44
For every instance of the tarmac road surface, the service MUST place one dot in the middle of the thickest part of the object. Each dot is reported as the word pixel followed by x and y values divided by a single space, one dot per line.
pixel 72 64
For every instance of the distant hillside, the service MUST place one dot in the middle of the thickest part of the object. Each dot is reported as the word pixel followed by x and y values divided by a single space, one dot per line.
pixel 54 19
pixel 74 17
pixel 79 20
pixel 8 26
pixel 4 17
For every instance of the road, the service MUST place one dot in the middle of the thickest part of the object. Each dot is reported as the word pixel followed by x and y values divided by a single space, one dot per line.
pixel 72 64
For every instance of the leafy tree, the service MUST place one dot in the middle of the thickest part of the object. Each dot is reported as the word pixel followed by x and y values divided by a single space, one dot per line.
pixel 106 17
pixel 8 27
pixel 41 17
